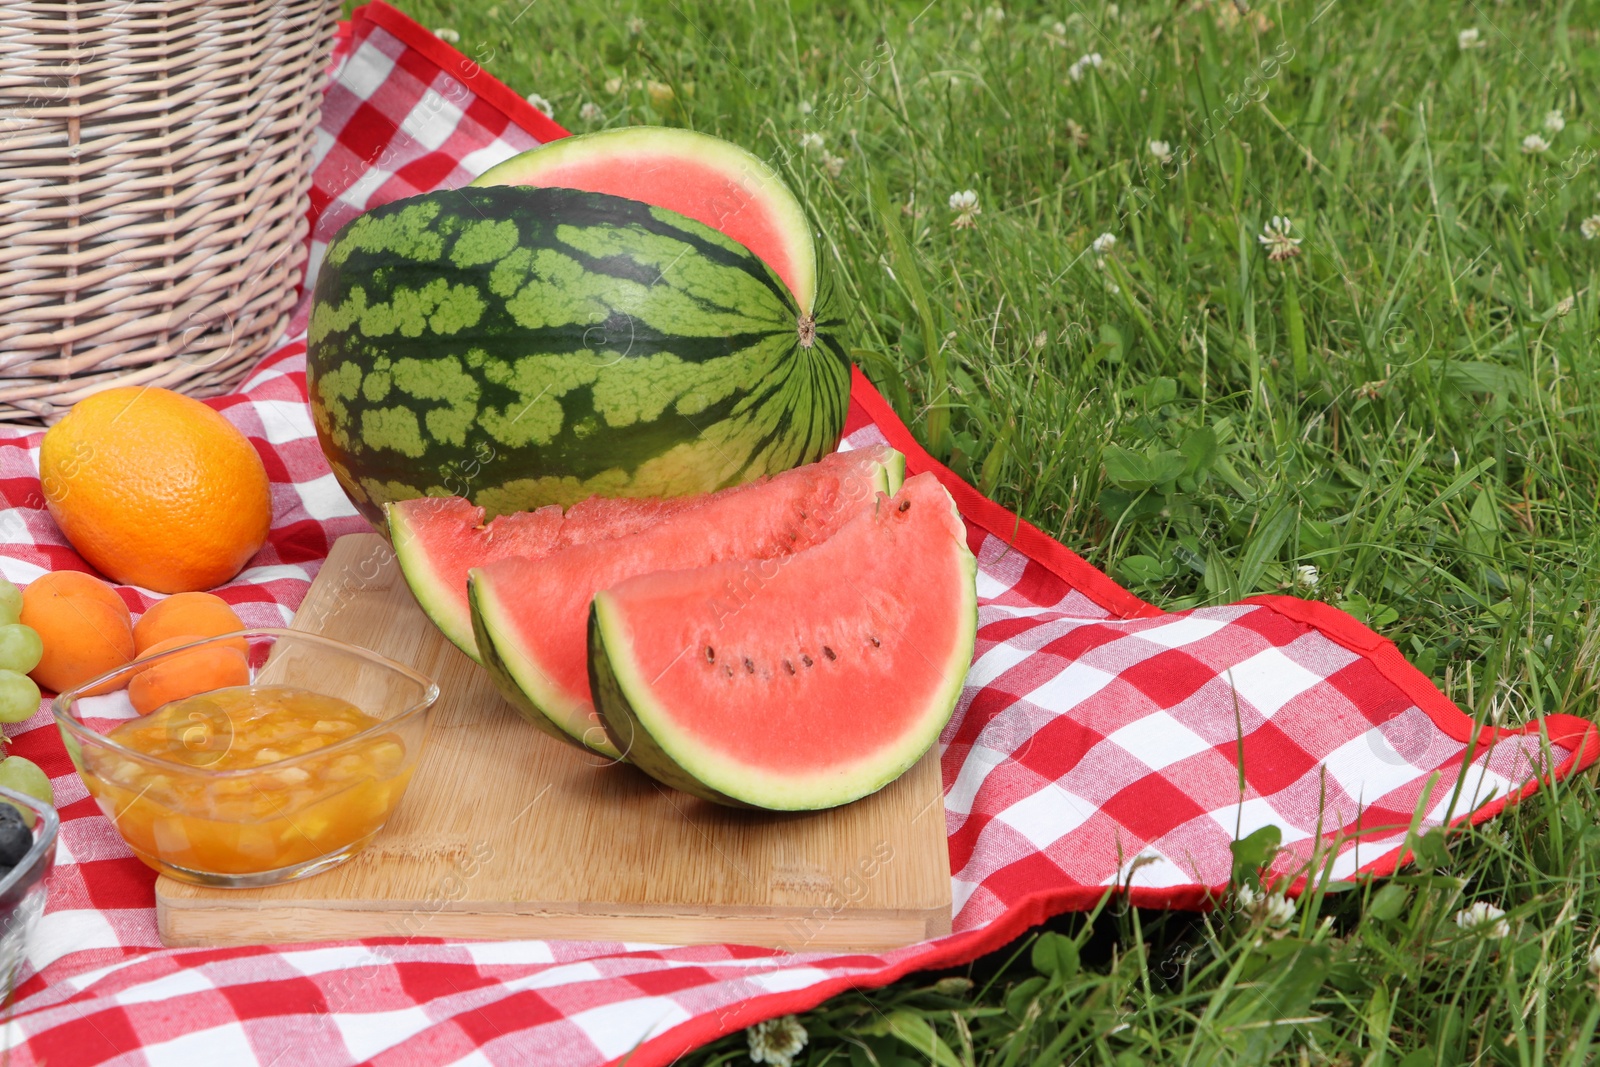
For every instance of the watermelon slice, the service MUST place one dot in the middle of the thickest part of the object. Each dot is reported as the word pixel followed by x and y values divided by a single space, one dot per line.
pixel 530 615
pixel 826 680
pixel 706 178
pixel 438 539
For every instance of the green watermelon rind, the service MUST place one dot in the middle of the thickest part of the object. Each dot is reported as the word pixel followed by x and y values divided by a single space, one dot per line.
pixel 622 698
pixel 431 595
pixel 513 684
pixel 894 472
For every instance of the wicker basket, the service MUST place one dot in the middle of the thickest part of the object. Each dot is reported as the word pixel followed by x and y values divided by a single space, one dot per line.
pixel 155 157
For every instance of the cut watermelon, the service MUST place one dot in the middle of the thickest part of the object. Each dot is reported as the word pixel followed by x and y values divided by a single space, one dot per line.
pixel 711 181
pixel 826 681
pixel 438 539
pixel 530 615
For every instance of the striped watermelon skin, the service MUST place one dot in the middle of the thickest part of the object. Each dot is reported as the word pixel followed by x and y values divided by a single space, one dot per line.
pixel 528 346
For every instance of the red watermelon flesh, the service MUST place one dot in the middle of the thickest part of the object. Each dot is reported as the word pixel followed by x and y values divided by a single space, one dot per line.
pixel 530 615
pixel 824 677
pixel 438 539
pixel 705 178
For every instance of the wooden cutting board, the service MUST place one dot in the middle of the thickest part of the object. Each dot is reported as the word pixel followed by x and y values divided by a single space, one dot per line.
pixel 506 833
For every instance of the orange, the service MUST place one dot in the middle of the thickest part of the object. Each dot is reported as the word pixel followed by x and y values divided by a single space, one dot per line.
pixel 195 614
pixel 155 489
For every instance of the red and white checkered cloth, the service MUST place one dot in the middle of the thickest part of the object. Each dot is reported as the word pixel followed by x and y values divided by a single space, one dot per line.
pixel 1096 743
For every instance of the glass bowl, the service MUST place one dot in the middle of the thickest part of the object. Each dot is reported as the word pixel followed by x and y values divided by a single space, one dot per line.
pixel 23 890
pixel 262 779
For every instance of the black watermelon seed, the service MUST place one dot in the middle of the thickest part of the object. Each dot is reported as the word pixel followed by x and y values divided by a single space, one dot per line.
pixel 749 667
pixel 805 659
pixel 711 655
pixel 905 505
pixel 874 641
pixel 788 666
pixel 826 651
pixel 728 671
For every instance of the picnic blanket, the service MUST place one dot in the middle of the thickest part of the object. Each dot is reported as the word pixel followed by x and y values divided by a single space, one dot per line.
pixel 1098 741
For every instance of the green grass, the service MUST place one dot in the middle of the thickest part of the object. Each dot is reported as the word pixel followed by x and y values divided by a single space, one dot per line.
pixel 1409 406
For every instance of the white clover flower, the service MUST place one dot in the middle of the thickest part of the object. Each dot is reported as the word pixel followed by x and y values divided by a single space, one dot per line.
pixel 776 1041
pixel 1161 150
pixel 1484 917
pixel 635 26
pixel 805 107
pixel 1590 227
pixel 995 13
pixel 1248 897
pixel 1112 287
pixel 543 105
pixel 1104 243
pixel 1275 236
pixel 590 112
pixel 1092 59
pixel 965 205
pixel 811 141
pixel 833 164
pixel 447 35
pixel 1534 144
pixel 1306 575
pixel 1277 910
pixel 613 85
pixel 1554 121
pixel 1468 38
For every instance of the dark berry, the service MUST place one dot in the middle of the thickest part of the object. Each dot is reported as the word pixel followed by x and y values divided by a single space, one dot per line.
pixel 15 837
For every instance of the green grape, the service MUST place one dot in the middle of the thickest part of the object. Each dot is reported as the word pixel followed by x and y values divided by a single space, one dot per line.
pixel 25 777
pixel 19 697
pixel 10 602
pixel 20 648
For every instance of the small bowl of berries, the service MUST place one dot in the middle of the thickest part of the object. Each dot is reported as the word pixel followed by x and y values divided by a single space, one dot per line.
pixel 28 828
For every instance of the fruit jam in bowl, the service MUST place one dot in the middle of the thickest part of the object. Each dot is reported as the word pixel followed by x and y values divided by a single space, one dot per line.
pixel 272 755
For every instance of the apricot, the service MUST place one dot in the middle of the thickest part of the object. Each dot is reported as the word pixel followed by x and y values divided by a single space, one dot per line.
pixel 83 637
pixel 186 614
pixel 163 645
pixel 59 584
pixel 188 674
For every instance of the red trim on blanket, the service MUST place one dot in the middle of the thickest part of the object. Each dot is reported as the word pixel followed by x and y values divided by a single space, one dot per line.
pixel 981 511
pixel 450 60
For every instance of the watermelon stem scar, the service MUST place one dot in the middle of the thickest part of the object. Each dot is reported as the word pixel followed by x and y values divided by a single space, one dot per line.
pixel 807 330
